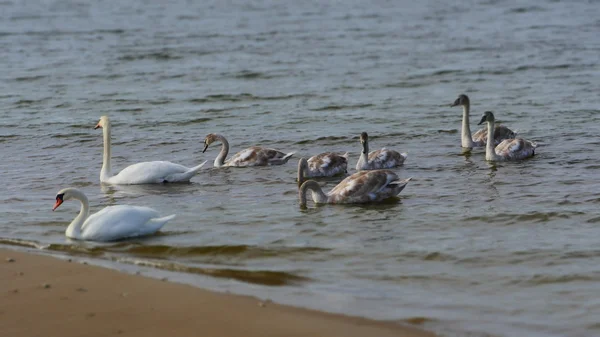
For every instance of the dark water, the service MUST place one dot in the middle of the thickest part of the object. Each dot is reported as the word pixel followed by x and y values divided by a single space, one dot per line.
pixel 470 249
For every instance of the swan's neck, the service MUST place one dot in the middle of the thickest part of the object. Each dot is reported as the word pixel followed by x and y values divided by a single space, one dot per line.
pixel 74 229
pixel 318 195
pixel 364 155
pixel 220 160
pixel 490 150
pixel 105 173
pixel 302 168
pixel 466 139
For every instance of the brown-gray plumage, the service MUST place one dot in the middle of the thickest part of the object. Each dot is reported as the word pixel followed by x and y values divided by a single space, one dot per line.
pixel 326 164
pixel 508 149
pixel 252 156
pixel 479 138
pixel 361 187
pixel 378 159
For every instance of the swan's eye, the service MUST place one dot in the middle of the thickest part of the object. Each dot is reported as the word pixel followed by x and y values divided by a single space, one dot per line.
pixel 60 197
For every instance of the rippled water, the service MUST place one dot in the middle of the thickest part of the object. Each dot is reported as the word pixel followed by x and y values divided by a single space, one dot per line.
pixel 470 247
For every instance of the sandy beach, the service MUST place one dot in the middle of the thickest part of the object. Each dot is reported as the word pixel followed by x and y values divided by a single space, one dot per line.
pixel 46 296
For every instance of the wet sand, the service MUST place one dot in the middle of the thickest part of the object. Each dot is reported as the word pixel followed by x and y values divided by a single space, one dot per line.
pixel 46 296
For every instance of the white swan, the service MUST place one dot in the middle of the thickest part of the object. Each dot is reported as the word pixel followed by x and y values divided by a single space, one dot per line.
pixel 361 187
pixel 509 149
pixel 378 159
pixel 112 222
pixel 326 164
pixel 252 156
pixel 479 138
pixel 151 172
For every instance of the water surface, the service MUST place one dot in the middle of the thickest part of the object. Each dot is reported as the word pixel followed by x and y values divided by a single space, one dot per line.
pixel 470 248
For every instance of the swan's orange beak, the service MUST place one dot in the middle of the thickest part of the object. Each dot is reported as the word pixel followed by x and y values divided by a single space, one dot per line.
pixel 97 126
pixel 58 203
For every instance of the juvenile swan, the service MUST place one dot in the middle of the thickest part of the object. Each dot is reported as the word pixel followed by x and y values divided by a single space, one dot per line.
pixel 112 222
pixel 361 187
pixel 378 159
pixel 479 138
pixel 509 149
pixel 151 172
pixel 326 164
pixel 252 156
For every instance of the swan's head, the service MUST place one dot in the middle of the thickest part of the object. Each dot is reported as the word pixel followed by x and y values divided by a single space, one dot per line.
pixel 210 138
pixel 462 100
pixel 364 138
pixel 102 123
pixel 61 196
pixel 488 116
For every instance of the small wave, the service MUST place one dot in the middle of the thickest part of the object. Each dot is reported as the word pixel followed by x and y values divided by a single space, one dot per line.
pixel 549 279
pixel 244 97
pixel 262 277
pixel 250 75
pixel 21 243
pixel 526 9
pixel 158 56
pixel 29 78
pixel 342 107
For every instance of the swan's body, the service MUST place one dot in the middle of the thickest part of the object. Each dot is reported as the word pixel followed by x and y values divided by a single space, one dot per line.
pixel 327 164
pixel 152 172
pixel 508 149
pixel 252 156
pixel 112 222
pixel 378 159
pixel 479 138
pixel 361 187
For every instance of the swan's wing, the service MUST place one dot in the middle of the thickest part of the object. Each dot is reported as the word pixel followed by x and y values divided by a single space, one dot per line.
pixel 517 148
pixel 151 172
pixel 255 156
pixel 327 164
pixel 115 222
pixel 384 158
pixel 364 186
pixel 501 133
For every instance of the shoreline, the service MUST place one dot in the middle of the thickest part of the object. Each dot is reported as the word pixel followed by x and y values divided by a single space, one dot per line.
pixel 46 295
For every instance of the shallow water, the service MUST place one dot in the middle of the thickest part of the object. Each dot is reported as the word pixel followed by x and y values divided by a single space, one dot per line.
pixel 470 248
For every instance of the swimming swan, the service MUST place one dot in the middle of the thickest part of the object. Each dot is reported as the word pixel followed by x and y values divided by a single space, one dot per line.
pixel 112 222
pixel 509 149
pixel 151 172
pixel 252 156
pixel 378 159
pixel 479 138
pixel 326 164
pixel 361 187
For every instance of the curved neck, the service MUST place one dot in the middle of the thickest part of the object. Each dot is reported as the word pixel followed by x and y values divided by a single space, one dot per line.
pixel 317 193
pixel 490 150
pixel 105 172
pixel 302 168
pixel 74 229
pixel 220 160
pixel 466 140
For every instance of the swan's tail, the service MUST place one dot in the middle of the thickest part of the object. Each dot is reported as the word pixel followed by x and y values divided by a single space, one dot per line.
pixel 401 184
pixel 155 224
pixel 195 169
pixel 404 155
pixel 345 155
pixel 287 157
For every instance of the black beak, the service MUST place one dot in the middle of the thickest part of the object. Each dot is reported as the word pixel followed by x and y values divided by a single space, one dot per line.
pixel 205 147
pixel 483 119
pixel 455 103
